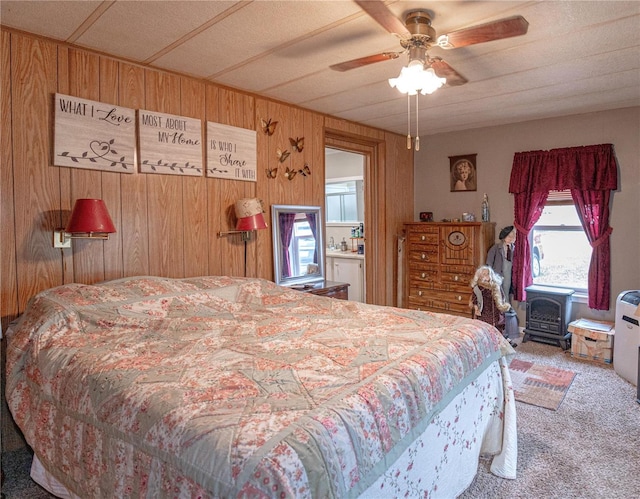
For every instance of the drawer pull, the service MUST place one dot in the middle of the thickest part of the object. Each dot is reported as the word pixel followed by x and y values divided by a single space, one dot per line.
pixel 459 298
pixel 419 293
pixel 456 278
pixel 423 237
pixel 424 256
pixel 423 275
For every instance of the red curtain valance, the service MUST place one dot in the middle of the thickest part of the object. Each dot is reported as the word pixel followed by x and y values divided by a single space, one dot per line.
pixel 584 168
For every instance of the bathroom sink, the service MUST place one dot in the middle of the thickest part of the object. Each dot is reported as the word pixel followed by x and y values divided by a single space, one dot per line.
pixel 343 254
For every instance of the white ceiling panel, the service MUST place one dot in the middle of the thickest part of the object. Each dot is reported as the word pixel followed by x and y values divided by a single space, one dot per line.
pixel 137 30
pixel 57 20
pixel 577 56
pixel 265 26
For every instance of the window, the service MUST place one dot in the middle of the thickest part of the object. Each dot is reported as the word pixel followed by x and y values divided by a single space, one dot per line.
pixel 342 201
pixel 560 251
pixel 303 246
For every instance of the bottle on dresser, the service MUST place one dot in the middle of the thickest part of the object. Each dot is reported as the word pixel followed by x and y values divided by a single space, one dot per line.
pixel 485 208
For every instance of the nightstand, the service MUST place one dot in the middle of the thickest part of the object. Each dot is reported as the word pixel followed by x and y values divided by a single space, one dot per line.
pixel 331 289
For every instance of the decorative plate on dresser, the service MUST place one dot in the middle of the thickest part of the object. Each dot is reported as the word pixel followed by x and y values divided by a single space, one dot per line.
pixel 441 258
pixel 456 239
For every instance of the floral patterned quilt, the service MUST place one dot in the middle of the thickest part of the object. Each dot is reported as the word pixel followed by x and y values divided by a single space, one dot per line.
pixel 230 387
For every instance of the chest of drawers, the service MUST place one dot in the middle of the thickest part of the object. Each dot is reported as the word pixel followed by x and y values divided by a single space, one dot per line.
pixel 440 260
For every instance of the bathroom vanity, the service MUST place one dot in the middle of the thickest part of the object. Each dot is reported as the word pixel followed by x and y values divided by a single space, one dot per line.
pixel 347 266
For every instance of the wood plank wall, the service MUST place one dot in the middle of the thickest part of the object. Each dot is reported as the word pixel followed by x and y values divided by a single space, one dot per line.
pixel 166 225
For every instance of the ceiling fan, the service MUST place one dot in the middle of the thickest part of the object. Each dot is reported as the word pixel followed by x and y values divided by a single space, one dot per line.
pixel 417 36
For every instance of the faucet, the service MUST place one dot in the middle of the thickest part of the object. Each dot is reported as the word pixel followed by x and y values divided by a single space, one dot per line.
pixel 332 243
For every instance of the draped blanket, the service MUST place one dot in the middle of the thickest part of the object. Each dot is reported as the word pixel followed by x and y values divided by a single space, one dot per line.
pixel 229 387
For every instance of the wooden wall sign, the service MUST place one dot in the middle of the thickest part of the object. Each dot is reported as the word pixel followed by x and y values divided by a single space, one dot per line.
pixel 170 144
pixel 93 135
pixel 231 152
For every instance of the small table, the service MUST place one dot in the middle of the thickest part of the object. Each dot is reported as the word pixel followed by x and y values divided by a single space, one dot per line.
pixel 331 289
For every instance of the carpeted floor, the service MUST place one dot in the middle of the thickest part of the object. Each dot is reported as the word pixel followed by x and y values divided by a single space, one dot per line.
pixel 587 449
pixel 17 482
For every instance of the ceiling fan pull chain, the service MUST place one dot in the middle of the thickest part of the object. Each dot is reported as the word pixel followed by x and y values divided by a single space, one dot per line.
pixel 417 123
pixel 408 121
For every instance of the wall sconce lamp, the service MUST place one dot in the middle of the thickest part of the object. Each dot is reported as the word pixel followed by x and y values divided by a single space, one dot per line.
pixel 249 213
pixel 89 220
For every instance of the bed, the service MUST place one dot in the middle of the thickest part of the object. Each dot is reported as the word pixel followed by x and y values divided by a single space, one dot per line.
pixel 235 387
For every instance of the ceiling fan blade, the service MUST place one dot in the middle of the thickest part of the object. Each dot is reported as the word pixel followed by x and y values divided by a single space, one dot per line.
pixel 443 70
pixel 364 61
pixel 383 16
pixel 495 30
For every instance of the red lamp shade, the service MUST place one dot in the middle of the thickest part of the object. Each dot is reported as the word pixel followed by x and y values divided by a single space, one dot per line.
pixel 249 213
pixel 253 222
pixel 90 215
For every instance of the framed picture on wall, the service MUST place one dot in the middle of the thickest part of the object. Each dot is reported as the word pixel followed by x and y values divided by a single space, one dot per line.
pixel 463 173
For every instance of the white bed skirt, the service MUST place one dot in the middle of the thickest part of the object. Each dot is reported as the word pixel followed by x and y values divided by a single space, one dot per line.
pixel 47 481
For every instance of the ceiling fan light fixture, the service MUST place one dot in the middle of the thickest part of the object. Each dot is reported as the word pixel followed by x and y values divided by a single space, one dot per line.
pixel 415 78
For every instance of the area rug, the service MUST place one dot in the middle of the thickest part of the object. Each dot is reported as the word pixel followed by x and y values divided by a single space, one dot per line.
pixel 540 385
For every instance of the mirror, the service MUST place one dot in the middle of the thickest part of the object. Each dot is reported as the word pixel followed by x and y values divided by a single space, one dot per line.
pixel 298 251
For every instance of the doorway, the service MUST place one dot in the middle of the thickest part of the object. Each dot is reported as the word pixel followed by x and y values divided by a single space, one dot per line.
pixel 375 268
pixel 345 220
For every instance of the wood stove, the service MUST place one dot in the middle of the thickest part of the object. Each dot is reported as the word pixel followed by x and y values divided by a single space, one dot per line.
pixel 548 315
